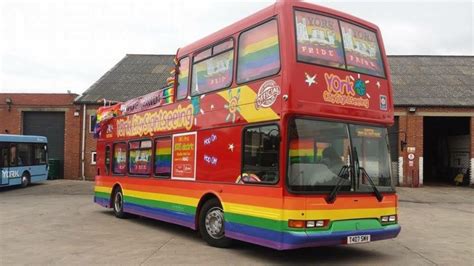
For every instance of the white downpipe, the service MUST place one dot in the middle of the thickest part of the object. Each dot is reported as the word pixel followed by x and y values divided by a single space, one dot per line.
pixel 400 171
pixel 420 171
pixel 472 171
pixel 83 144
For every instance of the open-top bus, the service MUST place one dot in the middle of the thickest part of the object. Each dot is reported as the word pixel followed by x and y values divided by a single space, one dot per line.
pixel 273 132
pixel 24 159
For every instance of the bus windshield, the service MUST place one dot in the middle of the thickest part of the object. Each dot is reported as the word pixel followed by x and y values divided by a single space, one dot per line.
pixel 320 156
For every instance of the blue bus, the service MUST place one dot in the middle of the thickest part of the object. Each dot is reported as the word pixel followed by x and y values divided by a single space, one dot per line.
pixel 23 159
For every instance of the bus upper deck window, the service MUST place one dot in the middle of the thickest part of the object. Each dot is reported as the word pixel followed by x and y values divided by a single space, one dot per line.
pixel 318 40
pixel 362 50
pixel 259 52
pixel 213 68
pixel 183 74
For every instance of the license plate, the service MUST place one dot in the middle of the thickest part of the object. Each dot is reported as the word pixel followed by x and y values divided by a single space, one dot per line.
pixel 358 239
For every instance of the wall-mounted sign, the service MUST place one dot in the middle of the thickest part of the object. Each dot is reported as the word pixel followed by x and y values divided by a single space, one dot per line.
pixel 411 156
pixel 411 149
pixel 184 156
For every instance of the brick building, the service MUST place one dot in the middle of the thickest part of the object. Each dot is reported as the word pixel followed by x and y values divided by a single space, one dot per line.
pixel 434 112
pixel 52 115
pixel 133 76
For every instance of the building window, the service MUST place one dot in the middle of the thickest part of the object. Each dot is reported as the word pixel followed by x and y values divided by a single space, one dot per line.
pixel 261 150
pixel 163 157
pixel 259 53
pixel 92 122
pixel 93 158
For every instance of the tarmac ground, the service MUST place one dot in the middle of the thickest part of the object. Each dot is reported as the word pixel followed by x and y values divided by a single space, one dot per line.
pixel 57 223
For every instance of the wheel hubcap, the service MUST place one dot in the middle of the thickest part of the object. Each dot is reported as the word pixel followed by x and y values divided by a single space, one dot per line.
pixel 215 223
pixel 118 202
pixel 24 180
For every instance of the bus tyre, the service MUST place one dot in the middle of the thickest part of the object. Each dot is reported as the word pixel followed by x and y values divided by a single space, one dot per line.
pixel 117 201
pixel 211 224
pixel 25 180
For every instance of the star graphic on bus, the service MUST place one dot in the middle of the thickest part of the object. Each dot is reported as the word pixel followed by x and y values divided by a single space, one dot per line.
pixel 378 84
pixel 233 105
pixel 231 147
pixel 310 79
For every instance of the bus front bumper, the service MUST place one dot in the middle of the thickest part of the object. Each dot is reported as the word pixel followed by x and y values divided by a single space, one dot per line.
pixel 293 240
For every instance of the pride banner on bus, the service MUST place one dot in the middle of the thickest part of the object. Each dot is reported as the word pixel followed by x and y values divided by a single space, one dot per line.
pixel 318 39
pixel 362 50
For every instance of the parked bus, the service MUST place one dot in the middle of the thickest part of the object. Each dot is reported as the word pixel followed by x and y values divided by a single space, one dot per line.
pixel 274 132
pixel 23 159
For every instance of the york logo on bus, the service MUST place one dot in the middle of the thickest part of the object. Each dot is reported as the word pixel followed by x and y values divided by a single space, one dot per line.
pixel 344 91
pixel 267 94
pixel 10 174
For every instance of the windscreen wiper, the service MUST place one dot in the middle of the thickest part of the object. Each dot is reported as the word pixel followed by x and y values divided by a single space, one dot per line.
pixel 343 176
pixel 374 187
pixel 362 169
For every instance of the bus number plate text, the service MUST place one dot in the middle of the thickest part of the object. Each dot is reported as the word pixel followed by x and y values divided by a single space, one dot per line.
pixel 358 239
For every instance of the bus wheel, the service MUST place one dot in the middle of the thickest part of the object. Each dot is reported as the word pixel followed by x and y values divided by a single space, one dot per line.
pixel 118 204
pixel 25 180
pixel 211 224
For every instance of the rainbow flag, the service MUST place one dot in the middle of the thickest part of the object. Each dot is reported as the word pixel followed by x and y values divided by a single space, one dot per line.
pixel 259 52
pixel 167 95
pixel 302 151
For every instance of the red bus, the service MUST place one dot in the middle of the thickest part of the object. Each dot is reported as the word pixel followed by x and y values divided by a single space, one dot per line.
pixel 274 132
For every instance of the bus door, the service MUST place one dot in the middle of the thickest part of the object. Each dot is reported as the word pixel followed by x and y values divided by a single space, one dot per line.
pixel 4 159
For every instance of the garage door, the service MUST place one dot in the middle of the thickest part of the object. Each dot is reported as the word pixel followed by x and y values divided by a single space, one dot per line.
pixel 51 125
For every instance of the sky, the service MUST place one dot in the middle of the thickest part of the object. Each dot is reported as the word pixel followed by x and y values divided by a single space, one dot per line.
pixel 56 46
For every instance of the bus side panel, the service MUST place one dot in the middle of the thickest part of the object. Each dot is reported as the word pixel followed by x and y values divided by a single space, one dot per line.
pixel 4 176
pixel 38 173
pixel 219 154
pixel 253 213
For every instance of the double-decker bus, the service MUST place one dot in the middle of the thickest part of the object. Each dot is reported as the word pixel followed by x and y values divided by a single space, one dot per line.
pixel 24 159
pixel 274 132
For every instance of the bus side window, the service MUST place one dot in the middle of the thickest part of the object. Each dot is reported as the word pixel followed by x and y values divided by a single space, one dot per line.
pixel 119 166
pixel 107 159
pixel 261 154
pixel 24 154
pixel 163 157
pixel 13 156
pixel 139 157
pixel 4 154
pixel 39 154
pixel 212 69
pixel 259 52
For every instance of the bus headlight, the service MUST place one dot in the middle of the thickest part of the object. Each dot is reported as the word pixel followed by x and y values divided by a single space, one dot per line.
pixel 308 224
pixel 388 219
